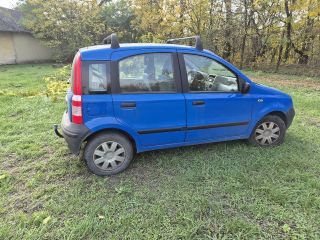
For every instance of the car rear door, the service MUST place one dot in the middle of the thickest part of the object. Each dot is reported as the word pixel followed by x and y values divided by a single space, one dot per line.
pixel 147 94
pixel 216 109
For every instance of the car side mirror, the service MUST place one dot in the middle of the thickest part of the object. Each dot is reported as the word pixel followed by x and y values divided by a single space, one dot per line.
pixel 245 87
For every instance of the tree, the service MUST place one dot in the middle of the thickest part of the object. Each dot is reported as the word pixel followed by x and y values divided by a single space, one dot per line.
pixel 117 17
pixel 63 25
pixel 253 33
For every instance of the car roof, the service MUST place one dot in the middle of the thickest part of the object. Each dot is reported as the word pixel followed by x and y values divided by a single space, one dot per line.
pixel 103 52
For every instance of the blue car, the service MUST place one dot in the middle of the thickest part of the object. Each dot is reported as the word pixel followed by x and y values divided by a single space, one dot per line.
pixel 130 98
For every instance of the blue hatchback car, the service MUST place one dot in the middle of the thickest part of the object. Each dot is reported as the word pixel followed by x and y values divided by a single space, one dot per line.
pixel 131 98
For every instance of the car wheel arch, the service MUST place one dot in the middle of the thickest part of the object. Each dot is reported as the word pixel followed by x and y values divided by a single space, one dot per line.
pixel 267 112
pixel 113 130
pixel 280 114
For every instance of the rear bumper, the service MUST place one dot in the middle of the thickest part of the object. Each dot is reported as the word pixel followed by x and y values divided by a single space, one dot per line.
pixel 289 116
pixel 74 134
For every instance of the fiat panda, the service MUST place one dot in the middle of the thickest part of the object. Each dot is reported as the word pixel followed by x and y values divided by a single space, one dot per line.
pixel 130 98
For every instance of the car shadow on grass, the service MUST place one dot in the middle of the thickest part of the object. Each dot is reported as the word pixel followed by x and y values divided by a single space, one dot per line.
pixel 227 155
pixel 230 155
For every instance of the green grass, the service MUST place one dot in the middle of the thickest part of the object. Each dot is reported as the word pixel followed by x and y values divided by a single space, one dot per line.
pixel 224 190
pixel 25 79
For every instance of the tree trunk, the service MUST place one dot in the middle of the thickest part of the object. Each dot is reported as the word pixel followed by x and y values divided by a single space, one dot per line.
pixel 244 38
pixel 274 52
pixel 227 32
pixel 182 9
pixel 280 53
pixel 288 30
pixel 307 40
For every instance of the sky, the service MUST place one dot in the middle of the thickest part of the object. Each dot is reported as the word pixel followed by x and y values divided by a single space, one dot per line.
pixel 8 3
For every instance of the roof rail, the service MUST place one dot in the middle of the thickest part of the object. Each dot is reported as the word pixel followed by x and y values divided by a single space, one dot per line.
pixel 198 44
pixel 113 39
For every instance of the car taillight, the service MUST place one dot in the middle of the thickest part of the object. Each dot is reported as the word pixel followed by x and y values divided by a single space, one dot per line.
pixel 77 109
pixel 77 92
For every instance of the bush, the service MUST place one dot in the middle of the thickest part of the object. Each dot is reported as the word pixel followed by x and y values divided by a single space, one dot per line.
pixel 56 84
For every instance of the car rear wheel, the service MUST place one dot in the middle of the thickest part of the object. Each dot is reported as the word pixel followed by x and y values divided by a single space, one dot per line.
pixel 108 154
pixel 270 131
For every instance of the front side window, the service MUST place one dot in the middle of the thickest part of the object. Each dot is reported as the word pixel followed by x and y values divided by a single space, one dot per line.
pixel 98 77
pixel 207 75
pixel 147 73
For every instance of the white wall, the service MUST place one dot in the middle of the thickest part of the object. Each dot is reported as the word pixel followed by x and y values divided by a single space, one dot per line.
pixel 29 49
pixel 7 53
pixel 22 48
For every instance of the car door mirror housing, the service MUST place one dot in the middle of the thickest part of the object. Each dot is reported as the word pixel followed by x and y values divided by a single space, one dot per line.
pixel 245 87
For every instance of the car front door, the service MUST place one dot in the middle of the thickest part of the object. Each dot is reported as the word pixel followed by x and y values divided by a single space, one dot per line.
pixel 216 109
pixel 147 95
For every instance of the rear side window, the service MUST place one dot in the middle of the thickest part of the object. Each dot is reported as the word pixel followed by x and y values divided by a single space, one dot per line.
pixel 147 73
pixel 98 74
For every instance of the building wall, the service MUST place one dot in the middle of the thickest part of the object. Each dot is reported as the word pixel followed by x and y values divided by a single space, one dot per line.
pixel 29 49
pixel 7 53
pixel 19 47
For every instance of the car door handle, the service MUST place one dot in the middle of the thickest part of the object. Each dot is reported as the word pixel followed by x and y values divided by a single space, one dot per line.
pixel 128 105
pixel 200 102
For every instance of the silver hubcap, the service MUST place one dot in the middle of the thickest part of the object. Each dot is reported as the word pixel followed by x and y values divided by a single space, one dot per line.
pixel 267 133
pixel 109 155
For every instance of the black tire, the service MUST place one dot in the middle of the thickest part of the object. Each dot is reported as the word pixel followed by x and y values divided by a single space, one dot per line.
pixel 256 137
pixel 103 143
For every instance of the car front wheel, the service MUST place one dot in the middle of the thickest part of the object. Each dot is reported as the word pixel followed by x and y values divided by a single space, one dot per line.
pixel 270 131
